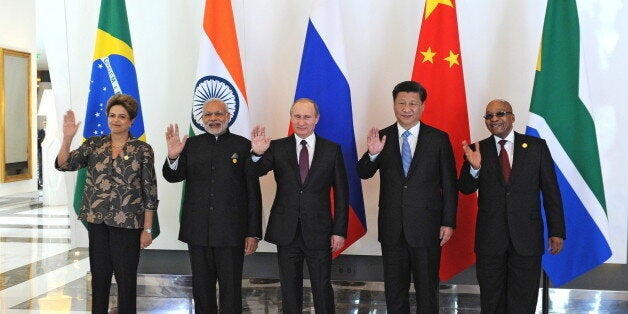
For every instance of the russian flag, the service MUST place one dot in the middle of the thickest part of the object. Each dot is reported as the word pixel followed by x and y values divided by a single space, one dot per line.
pixel 322 78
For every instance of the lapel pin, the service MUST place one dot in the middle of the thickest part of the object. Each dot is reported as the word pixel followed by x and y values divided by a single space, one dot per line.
pixel 524 145
pixel 234 158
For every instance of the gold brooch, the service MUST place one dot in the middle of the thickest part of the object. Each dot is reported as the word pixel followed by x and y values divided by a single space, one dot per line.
pixel 126 157
pixel 234 160
pixel 524 145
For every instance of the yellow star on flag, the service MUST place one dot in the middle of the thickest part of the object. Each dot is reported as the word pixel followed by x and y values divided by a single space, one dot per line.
pixel 452 59
pixel 430 6
pixel 428 55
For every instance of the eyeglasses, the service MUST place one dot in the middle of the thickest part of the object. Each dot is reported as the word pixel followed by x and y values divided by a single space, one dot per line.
pixel 500 114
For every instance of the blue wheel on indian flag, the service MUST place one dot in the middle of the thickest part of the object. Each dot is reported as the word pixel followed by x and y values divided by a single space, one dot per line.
pixel 213 87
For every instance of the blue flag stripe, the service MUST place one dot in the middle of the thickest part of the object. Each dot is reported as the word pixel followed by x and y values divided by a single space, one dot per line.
pixel 585 247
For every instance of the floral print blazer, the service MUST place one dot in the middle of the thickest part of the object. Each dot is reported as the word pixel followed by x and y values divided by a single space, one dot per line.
pixel 117 190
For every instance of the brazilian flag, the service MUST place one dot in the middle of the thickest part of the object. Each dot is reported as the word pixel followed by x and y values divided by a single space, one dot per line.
pixel 113 72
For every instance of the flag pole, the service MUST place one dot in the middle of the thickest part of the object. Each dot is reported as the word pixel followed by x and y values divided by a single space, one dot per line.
pixel 545 299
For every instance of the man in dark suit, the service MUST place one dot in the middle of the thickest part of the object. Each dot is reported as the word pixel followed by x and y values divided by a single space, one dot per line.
pixel 417 199
pixel 221 218
pixel 301 223
pixel 511 172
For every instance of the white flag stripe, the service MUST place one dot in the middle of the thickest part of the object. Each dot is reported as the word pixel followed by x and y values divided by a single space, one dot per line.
pixel 570 172
pixel 326 19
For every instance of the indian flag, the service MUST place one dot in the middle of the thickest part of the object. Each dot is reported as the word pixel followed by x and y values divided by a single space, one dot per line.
pixel 219 72
pixel 561 113
pixel 113 72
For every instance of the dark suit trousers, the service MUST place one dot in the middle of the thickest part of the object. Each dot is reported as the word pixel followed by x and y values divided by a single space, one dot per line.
pixel 222 264
pixel 290 259
pixel 401 260
pixel 509 282
pixel 113 251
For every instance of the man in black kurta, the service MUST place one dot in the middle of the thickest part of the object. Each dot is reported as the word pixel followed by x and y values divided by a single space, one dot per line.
pixel 221 216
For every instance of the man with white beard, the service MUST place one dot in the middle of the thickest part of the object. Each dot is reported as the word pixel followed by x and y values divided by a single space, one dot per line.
pixel 221 220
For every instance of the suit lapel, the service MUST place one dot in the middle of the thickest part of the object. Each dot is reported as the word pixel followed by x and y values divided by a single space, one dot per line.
pixel 489 152
pixel 319 150
pixel 422 143
pixel 292 157
pixel 393 139
pixel 518 155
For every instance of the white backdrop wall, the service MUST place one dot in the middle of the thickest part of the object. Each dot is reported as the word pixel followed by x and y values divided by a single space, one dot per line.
pixel 499 42
pixel 17 32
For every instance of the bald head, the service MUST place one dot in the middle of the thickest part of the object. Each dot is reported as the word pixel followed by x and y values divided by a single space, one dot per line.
pixel 499 118
pixel 502 102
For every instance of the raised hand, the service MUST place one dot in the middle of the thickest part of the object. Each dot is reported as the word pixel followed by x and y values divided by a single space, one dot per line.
pixel 259 141
pixel 473 157
pixel 69 125
pixel 374 142
pixel 175 144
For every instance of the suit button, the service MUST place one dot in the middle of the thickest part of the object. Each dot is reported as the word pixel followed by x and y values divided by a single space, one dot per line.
pixel 405 186
pixel 211 208
pixel 301 192
pixel 507 193
pixel 211 194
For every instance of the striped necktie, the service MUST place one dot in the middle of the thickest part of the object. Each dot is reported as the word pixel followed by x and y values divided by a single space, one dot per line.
pixel 406 153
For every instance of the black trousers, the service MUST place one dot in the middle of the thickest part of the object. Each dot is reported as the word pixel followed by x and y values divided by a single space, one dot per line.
pixel 401 260
pixel 113 251
pixel 509 282
pixel 222 264
pixel 290 258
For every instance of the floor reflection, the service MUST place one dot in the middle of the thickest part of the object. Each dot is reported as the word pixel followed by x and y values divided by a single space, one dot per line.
pixel 172 294
pixel 41 273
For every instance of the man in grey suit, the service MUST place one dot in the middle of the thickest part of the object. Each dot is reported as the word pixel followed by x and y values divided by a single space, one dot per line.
pixel 511 171
pixel 417 199
pixel 221 219
pixel 306 167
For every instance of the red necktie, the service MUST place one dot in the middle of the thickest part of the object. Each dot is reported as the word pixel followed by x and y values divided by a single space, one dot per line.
pixel 503 161
pixel 304 161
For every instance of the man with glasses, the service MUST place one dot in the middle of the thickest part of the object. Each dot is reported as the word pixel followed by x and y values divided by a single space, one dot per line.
pixel 306 167
pixel 417 199
pixel 221 219
pixel 511 171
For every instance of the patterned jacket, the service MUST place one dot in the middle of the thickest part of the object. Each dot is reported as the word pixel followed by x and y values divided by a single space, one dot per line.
pixel 117 191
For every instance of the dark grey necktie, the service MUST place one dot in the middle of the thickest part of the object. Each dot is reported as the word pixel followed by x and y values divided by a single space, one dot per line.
pixel 304 161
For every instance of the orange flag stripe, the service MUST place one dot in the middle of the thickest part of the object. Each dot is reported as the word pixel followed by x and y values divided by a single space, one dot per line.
pixel 220 29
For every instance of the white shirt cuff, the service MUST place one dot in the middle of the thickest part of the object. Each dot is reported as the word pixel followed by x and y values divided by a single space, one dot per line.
pixel 173 165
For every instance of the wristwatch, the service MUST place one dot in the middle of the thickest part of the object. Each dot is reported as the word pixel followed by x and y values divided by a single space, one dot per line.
pixel 148 230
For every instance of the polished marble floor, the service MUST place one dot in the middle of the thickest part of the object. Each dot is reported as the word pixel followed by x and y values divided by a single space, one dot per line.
pixel 41 273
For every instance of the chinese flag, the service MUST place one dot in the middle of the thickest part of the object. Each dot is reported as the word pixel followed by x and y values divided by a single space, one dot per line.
pixel 438 67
